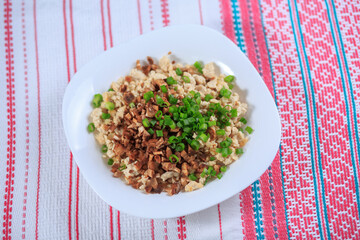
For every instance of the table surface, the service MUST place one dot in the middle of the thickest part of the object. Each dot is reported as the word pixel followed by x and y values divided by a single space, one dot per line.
pixel 307 52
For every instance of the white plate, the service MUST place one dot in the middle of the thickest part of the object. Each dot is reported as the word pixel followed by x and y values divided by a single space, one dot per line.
pixel 188 43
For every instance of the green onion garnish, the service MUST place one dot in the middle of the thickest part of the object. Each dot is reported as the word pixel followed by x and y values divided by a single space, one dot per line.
pixel 212 158
pixel 173 139
pixel 198 66
pixel 186 79
pixel 146 122
pixel 225 93
pixel 96 102
pixel 231 86
pixel 110 161
pixel 249 129
pixel 148 95
pixel 223 169
pixel 239 151
pixel 195 145
pixel 192 177
pixel 229 78
pixel 109 106
pixel 173 156
pixel 171 81
pixel 180 147
pixel 163 89
pixel 110 90
pixel 172 109
pixel 207 179
pixel 243 120
pixel 132 105
pixel 153 122
pixel 203 137
pixel 208 97
pixel 122 167
pixel 105 116
pixel 226 152
pixel 104 148
pixel 203 127
pixel 226 143
pixel 219 176
pixel 150 131
pixel 91 127
pixel 204 172
pixel 159 133
pixel 233 112
pixel 158 115
pixel 172 100
pixel 178 71
pixel 220 132
pixel 212 123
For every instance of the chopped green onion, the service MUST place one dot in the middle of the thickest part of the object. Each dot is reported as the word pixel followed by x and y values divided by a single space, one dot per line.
pixel 172 109
pixel 186 79
pixel 172 100
pixel 204 172
pixel 233 112
pixel 229 78
pixel 173 156
pixel 226 143
pixel 231 86
pixel 241 130
pixel 220 132
pixel 159 133
pixel 97 100
pixel 243 120
pixel 105 116
pixel 153 122
pixel 91 127
pixel 203 137
pixel 173 139
pixel 148 95
pixel 178 71
pixel 122 167
pixel 161 122
pixel 159 100
pixel 110 90
pixel 195 145
pixel 146 122
pixel 158 115
pixel 150 131
pixel 249 129
pixel 192 177
pixel 212 123
pixel 219 150
pixel 207 179
pixel 219 176
pixel 163 89
pixel 239 151
pixel 223 169
pixel 208 97
pixel 165 104
pixel 226 152
pixel 212 158
pixel 203 127
pixel 109 106
pixel 225 93
pixel 110 161
pixel 180 147
pixel 104 148
pixel 198 66
pixel 132 105
pixel 171 81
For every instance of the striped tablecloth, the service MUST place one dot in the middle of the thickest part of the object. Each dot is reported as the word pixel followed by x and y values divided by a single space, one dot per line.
pixel 308 55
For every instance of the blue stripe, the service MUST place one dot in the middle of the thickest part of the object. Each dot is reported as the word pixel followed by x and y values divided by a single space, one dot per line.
pixel 346 97
pixel 309 123
pixel 275 96
pixel 255 188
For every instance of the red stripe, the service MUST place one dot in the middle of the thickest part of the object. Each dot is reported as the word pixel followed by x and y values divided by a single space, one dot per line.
pixel 139 16
pixel 27 133
pixel 152 229
pixel 111 224
pixel 165 12
pixel 247 210
pixel 109 19
pixel 181 228
pixel 118 223
pixel 11 122
pixel 227 20
pixel 39 123
pixel 219 212
pixel 165 230
pixel 103 22
pixel 71 157
pixel 72 36
pixel 200 11
pixel 151 15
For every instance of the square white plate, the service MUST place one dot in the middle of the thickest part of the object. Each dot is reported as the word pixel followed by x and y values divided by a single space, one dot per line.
pixel 188 43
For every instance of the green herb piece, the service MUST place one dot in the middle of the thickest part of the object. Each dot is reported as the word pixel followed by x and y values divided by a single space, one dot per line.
pixel 233 113
pixel 163 89
pixel 132 105
pixel 226 143
pixel 171 81
pixel 223 169
pixel 180 147
pixel 110 161
pixel 148 95
pixel 150 131
pixel 122 167
pixel 153 122
pixel 239 151
pixel 208 97
pixel 226 152
pixel 105 115
pixel 173 158
pixel 212 123
pixel 109 106
pixel 172 100
pixel 219 176
pixel 158 115
pixel 220 132
pixel 212 158
pixel 225 93
pixel 186 79
pixel 178 72
pixel 195 145
pixel 91 127
pixel 243 120
pixel 146 122
pixel 192 177
pixel 204 172
pixel 96 102
pixel 203 137
pixel 104 148
pixel 229 78
pixel 231 86
pixel 159 133
pixel 198 66
pixel 249 129
pixel 110 90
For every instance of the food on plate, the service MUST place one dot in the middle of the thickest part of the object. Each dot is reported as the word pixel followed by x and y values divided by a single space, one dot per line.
pixel 168 127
